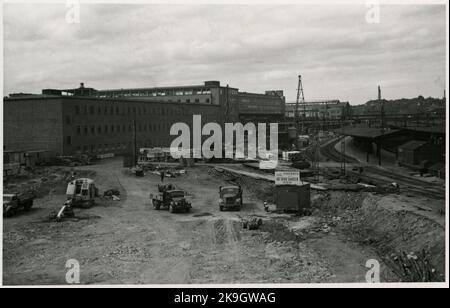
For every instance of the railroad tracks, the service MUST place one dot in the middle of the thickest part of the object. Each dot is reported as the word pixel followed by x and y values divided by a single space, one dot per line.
pixel 407 183
pixel 328 150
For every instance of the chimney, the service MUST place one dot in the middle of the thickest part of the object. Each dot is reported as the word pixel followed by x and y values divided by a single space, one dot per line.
pixel 81 85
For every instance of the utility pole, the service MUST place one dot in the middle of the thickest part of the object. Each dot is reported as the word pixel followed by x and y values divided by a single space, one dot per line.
pixel 381 110
pixel 343 166
pixel 382 125
pixel 227 105
pixel 135 145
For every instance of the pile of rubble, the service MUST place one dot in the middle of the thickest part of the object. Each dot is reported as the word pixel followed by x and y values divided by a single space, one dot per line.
pixel 73 161
pixel 113 194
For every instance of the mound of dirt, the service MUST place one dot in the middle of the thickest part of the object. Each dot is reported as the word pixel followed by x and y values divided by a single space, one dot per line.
pixel 394 232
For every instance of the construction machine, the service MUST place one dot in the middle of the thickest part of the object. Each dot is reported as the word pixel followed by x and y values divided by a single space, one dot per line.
pixel 82 192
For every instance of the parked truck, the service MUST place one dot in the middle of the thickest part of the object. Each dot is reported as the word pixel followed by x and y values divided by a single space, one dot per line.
pixel 170 198
pixel 16 202
pixel 230 197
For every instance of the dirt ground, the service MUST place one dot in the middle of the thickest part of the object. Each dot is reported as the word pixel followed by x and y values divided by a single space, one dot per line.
pixel 128 242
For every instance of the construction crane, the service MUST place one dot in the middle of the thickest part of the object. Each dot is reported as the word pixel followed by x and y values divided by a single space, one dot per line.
pixel 300 97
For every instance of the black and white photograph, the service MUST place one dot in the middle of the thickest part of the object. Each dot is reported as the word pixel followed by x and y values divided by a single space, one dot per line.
pixel 224 144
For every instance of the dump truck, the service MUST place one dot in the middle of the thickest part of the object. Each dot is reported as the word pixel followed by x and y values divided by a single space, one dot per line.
pixel 16 202
pixel 230 197
pixel 82 192
pixel 170 198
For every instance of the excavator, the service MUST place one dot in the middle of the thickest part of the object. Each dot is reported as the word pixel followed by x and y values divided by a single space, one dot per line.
pixel 80 193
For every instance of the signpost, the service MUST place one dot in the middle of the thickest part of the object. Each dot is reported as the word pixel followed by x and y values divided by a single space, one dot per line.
pixel 287 178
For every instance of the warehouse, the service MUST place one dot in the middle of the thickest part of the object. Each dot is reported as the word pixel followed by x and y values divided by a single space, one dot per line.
pixel 416 152
pixel 330 109
pixel 84 120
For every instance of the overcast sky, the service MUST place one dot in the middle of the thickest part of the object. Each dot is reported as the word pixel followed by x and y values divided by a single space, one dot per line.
pixel 251 47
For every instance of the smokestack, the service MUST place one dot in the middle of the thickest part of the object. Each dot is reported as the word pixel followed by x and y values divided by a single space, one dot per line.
pixel 379 93
pixel 81 84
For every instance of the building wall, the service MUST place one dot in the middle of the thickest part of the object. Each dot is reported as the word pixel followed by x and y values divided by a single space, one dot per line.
pixel 97 126
pixel 32 124
pixel 260 108
pixel 332 110
pixel 93 125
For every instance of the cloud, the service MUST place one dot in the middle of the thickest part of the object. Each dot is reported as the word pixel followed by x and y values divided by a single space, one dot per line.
pixel 252 47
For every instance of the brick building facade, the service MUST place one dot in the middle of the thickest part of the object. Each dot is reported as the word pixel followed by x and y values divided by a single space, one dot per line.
pixel 85 120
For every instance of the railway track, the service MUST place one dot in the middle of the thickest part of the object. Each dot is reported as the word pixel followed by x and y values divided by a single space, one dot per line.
pixel 328 150
pixel 415 186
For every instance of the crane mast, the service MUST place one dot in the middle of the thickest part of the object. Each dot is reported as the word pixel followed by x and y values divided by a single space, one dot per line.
pixel 300 99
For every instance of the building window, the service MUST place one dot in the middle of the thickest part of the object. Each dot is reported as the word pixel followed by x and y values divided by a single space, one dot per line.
pixel 91 109
pixel 99 129
pixel 112 128
pixel 197 100
pixel 92 129
pixel 85 130
pixel 67 119
pixel 188 100
pixel 106 129
pixel 68 140
pixel 207 100
pixel 77 109
pixel 78 129
pixel 85 110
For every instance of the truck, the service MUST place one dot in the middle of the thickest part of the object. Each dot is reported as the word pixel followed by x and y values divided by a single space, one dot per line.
pixel 15 202
pixel 170 198
pixel 230 197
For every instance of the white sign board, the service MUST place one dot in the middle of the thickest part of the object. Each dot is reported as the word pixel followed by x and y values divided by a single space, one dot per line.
pixel 287 178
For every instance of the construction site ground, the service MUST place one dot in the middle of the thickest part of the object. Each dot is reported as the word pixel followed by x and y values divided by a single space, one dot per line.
pixel 127 241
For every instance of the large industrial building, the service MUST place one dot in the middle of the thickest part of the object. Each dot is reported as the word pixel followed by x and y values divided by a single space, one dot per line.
pixel 329 109
pixel 89 121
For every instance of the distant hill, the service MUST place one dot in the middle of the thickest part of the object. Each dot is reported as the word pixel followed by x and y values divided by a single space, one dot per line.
pixel 401 106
